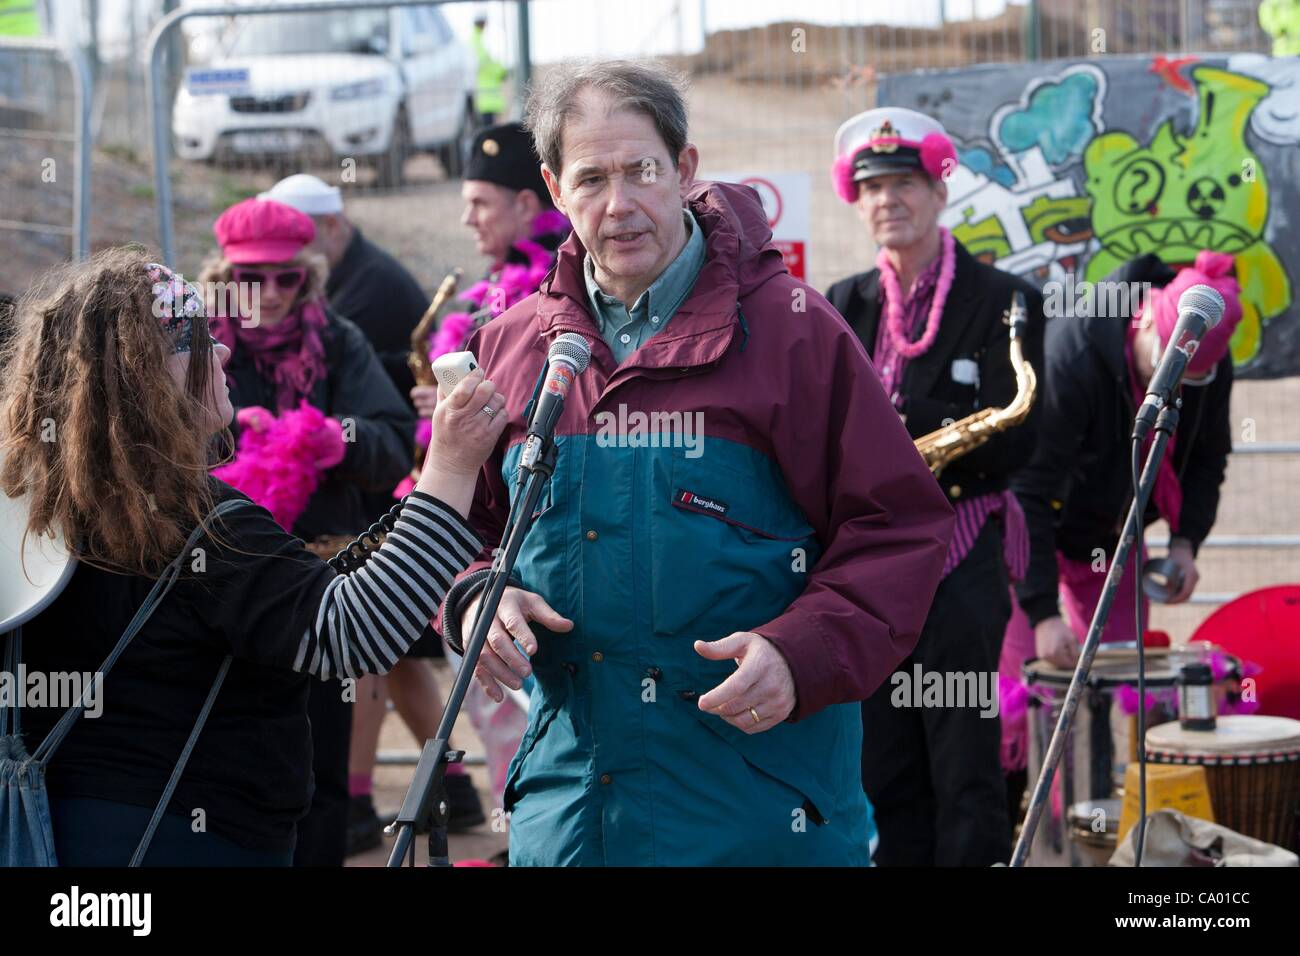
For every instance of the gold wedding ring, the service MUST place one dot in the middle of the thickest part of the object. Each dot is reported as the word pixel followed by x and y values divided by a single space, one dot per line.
pixel 753 713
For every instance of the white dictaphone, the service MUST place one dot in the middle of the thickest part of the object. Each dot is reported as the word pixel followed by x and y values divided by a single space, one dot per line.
pixel 449 369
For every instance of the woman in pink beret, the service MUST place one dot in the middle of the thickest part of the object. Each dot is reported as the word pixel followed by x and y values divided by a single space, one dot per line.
pixel 320 423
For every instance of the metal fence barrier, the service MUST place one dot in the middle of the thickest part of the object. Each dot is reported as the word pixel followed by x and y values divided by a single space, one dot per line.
pixel 45 129
pixel 419 38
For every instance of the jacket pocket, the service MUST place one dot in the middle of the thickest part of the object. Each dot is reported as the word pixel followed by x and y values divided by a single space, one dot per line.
pixel 548 549
pixel 550 695
pixel 725 549
pixel 796 755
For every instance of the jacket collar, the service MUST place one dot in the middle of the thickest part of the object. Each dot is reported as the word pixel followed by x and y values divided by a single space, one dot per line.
pixel 738 258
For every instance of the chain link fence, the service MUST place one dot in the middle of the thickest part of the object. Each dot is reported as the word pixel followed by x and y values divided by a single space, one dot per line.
pixel 44 157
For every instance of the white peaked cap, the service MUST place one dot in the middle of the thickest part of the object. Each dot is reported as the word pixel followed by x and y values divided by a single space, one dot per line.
pixel 307 194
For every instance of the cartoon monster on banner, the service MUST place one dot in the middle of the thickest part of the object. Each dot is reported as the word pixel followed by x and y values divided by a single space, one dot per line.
pixel 1068 169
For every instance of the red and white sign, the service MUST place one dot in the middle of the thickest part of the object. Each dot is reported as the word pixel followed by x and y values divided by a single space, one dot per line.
pixel 787 200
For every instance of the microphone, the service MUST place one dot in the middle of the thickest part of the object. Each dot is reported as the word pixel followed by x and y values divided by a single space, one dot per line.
pixel 568 358
pixel 1200 309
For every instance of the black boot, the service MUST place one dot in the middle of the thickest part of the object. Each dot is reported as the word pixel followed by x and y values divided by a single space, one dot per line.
pixel 464 810
pixel 364 829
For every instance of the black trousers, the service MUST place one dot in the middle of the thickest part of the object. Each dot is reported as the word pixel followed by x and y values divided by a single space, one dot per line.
pixel 933 773
pixel 323 832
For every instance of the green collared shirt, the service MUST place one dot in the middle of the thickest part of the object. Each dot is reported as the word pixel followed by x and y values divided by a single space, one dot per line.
pixel 626 330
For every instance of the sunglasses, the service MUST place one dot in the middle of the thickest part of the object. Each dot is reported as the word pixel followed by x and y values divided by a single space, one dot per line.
pixel 286 280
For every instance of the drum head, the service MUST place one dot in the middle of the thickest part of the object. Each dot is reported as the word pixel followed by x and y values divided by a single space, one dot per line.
pixel 1238 735
pixel 1264 627
pixel 32 571
pixel 1110 668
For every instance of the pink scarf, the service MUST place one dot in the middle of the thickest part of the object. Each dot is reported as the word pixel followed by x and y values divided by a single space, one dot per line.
pixel 290 353
pixel 894 299
pixel 1168 493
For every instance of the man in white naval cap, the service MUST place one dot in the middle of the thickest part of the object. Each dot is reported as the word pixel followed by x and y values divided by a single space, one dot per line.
pixel 931 319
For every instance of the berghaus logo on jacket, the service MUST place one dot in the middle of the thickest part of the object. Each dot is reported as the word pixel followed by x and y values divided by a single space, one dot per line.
pixel 689 499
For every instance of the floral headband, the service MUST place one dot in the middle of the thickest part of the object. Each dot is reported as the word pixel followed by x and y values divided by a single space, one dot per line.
pixel 176 304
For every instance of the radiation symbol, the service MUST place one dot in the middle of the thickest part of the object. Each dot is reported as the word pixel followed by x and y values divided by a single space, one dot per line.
pixel 1205 197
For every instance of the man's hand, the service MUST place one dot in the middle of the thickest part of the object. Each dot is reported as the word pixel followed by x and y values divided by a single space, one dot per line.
pixel 1180 552
pixel 1055 643
pixel 501 661
pixel 425 399
pixel 763 682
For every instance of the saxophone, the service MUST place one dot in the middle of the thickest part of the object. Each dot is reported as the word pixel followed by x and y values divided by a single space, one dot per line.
pixel 331 546
pixel 943 446
pixel 418 359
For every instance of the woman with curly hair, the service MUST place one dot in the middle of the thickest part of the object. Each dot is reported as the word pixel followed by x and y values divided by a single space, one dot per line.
pixel 113 394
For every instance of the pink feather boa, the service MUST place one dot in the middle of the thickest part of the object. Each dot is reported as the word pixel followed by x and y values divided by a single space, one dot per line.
pixel 1013 708
pixel 514 282
pixel 281 459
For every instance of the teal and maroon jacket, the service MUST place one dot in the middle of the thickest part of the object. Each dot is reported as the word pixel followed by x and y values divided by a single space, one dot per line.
pixel 806 516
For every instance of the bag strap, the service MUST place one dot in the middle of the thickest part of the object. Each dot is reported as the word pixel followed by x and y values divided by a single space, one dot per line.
pixel 13 654
pixel 160 589
pixel 170 789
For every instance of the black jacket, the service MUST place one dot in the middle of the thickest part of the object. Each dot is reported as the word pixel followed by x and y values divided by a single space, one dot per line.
pixel 972 328
pixel 355 388
pixel 1077 489
pixel 376 292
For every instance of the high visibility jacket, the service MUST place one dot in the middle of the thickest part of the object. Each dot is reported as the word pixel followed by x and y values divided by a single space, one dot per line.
pixel 19 18
pixel 1281 20
pixel 491 75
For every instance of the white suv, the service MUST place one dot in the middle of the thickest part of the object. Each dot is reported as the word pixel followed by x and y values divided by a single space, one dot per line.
pixel 372 84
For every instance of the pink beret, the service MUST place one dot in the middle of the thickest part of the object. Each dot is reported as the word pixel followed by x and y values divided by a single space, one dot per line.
pixel 263 230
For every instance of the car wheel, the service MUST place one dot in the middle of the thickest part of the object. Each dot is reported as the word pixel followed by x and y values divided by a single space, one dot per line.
pixel 453 154
pixel 390 167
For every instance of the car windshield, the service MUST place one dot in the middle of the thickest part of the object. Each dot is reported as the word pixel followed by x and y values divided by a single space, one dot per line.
pixel 347 31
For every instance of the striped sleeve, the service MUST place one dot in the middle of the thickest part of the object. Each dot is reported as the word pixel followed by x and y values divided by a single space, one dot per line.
pixel 368 619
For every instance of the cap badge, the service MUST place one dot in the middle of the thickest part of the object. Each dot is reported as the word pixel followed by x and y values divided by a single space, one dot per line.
pixel 491 147
pixel 884 131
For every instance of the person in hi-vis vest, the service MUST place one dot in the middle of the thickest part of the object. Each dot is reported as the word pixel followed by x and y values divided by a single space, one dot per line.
pixel 489 100
pixel 19 18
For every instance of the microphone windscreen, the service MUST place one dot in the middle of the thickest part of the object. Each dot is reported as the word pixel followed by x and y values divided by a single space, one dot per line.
pixel 573 348
pixel 1204 300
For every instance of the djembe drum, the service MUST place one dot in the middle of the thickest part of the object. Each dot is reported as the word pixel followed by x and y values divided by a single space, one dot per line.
pixel 1252 766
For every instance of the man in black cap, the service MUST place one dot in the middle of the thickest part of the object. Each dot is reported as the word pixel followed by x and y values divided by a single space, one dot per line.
pixel 515 225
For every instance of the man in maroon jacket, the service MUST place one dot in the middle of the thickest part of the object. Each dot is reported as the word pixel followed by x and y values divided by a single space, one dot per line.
pixel 739 541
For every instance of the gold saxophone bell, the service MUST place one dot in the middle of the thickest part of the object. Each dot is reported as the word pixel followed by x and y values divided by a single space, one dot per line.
pixel 418 359
pixel 942 447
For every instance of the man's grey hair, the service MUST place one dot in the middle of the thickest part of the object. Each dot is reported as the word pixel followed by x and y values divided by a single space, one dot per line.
pixel 643 86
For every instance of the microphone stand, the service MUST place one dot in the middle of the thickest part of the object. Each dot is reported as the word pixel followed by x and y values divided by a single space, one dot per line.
pixel 1165 424
pixel 425 804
